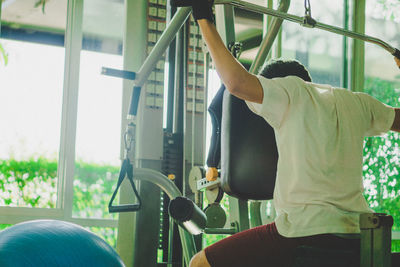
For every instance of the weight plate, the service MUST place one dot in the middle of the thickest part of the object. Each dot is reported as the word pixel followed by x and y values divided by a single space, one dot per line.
pixel 216 217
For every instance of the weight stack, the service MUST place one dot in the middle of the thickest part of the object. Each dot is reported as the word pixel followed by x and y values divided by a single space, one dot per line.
pixel 172 164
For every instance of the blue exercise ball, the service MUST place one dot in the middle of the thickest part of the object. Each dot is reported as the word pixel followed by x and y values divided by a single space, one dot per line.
pixel 54 243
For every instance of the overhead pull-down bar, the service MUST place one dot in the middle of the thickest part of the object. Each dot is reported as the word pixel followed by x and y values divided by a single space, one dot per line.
pixel 271 12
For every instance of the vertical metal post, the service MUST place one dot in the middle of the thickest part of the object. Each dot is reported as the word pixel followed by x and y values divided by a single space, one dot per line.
pixel 278 47
pixel 66 166
pixel 194 119
pixel 134 47
pixel 174 248
pixel 183 105
pixel 267 19
pixel 255 213
pixel 358 48
pixel 170 241
pixel 225 22
pixel 376 236
pixel 267 23
pixel 149 139
pixel 174 57
pixel 172 54
pixel 207 62
pixel 178 84
pixel 345 60
pixel 1 7
pixel 239 213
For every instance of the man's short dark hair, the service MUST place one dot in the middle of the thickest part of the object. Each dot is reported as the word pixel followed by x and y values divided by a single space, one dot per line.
pixel 283 68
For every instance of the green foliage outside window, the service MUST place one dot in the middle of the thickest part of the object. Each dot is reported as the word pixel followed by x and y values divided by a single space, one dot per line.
pixel 93 186
pixel 33 183
pixel 29 183
pixel 381 160
pixel 391 7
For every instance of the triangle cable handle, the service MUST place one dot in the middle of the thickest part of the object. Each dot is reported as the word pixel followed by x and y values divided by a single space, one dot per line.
pixel 126 170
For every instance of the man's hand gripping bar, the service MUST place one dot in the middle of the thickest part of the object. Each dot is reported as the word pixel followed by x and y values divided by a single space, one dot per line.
pixel 397 57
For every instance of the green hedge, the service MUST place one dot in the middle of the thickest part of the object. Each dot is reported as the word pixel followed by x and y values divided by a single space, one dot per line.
pixel 28 183
pixel 33 183
pixel 381 158
pixel 93 187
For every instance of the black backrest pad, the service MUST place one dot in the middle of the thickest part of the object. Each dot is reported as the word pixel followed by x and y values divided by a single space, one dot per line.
pixel 248 152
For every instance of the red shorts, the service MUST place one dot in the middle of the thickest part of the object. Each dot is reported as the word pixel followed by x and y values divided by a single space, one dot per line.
pixel 264 246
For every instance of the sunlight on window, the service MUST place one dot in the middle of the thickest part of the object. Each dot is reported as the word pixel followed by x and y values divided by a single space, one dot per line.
pixel 319 51
pixel 98 135
pixel 30 100
pixel 99 110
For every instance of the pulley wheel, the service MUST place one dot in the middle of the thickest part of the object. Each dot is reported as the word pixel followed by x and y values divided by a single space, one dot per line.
pixel 195 174
pixel 216 217
pixel 214 195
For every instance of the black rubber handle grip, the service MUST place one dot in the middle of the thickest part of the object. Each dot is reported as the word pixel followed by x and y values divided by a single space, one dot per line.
pixel 130 75
pixel 397 53
pixel 124 208
pixel 134 101
pixel 180 3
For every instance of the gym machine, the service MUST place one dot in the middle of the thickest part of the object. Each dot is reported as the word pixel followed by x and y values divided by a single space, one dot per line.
pixel 194 220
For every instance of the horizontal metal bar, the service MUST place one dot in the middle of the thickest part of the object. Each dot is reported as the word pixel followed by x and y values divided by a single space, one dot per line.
pixel 108 223
pixel 271 12
pixel 92 222
pixel 220 231
pixel 14 215
pixel 124 74
pixel 30 212
pixel 204 183
pixel 357 36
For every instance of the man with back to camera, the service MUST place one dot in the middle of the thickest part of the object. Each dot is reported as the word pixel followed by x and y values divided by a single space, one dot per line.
pixel 319 132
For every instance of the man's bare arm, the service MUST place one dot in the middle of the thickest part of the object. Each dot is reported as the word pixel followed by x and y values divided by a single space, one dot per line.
pixel 236 78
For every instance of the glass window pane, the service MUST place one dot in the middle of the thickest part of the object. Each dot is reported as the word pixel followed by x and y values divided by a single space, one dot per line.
pixel 99 110
pixel 382 80
pixel 31 84
pixel 319 51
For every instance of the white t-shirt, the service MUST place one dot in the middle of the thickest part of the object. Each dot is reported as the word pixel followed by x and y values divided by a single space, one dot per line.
pixel 319 132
